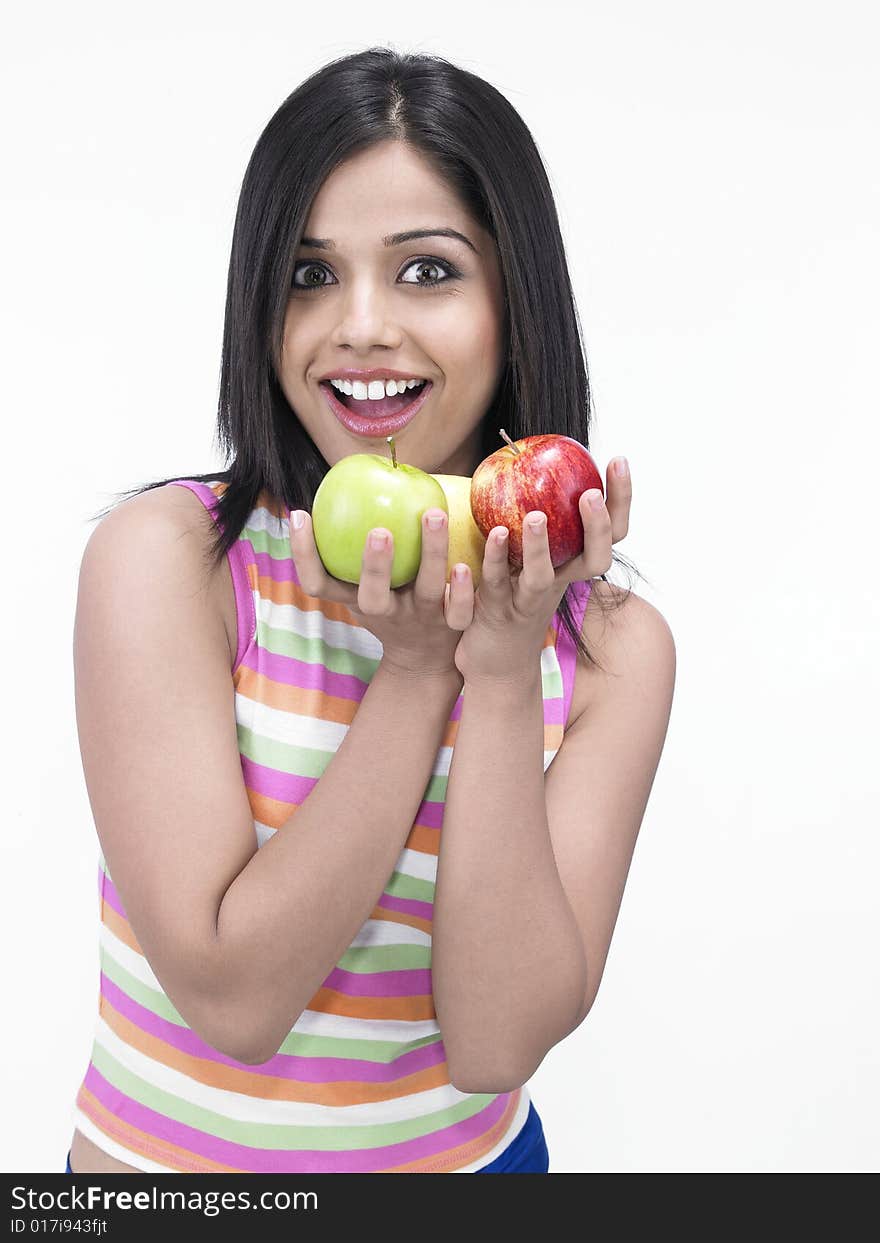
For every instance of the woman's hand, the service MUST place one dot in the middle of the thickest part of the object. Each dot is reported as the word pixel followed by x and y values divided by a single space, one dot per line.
pixel 512 609
pixel 418 624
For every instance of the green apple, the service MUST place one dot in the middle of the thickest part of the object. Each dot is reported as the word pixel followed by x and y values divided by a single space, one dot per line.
pixel 366 490
pixel 466 540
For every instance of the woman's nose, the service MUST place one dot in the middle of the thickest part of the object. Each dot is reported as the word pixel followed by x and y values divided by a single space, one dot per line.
pixel 365 318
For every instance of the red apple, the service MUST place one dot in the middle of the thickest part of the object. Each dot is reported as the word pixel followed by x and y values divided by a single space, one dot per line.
pixel 545 472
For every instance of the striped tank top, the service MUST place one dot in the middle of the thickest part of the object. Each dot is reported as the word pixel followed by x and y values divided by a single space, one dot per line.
pixel 360 1084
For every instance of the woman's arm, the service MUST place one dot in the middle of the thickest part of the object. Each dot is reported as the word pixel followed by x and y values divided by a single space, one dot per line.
pixel 240 939
pixel 291 914
pixel 532 869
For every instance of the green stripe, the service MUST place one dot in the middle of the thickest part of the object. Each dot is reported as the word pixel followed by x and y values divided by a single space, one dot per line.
pixel 400 886
pixel 285 757
pixel 157 1003
pixel 367 959
pixel 282 756
pixel 302 1044
pixel 551 682
pixel 329 1138
pixel 277 547
pixel 315 651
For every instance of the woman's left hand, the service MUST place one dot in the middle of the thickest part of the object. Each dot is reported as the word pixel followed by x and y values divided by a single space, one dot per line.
pixel 513 608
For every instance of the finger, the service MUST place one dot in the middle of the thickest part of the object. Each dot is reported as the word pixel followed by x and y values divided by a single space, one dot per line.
pixel 538 574
pixel 310 569
pixel 374 589
pixel 618 491
pixel 459 598
pixel 430 581
pixel 495 575
pixel 596 558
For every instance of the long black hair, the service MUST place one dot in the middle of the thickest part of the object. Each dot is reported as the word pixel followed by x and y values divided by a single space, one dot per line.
pixel 476 140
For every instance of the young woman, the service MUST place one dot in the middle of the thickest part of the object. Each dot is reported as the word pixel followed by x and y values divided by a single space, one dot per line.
pixel 362 849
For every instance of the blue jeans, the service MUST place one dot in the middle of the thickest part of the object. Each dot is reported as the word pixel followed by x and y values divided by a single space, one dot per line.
pixel 526 1155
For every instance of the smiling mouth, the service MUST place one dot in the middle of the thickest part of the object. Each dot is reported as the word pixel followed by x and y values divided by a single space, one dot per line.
pixel 384 407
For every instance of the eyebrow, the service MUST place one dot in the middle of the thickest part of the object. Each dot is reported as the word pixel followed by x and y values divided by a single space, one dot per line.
pixel 394 239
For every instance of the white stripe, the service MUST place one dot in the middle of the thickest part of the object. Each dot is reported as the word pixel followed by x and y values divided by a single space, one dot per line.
pixel 262 519
pixel 110 1146
pixel 385 932
pixel 239 1107
pixel 291 728
pixel 311 733
pixel 313 624
pixel 549 660
pixel 341 1027
pixel 417 864
pixel 135 964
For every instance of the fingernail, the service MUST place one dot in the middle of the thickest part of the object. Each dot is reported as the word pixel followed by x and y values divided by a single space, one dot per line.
pixel 501 535
pixel 537 522
pixel 460 573
pixel 298 518
pixel 596 500
pixel 435 521
pixel 621 467
pixel 378 540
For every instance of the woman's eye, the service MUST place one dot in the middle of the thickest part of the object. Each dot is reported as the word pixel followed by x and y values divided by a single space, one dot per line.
pixel 309 274
pixel 427 272
pixel 311 269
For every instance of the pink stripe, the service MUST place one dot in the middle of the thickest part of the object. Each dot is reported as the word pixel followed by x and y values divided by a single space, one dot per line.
pixel 288 671
pixel 238 556
pixel 407 906
pixel 280 571
pixel 282 1065
pixel 278 1161
pixel 411 982
pixel 111 894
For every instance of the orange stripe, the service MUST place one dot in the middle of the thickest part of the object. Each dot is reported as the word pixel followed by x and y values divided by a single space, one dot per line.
pixel 144 1145
pixel 120 928
pixel 404 1009
pixel 270 811
pixel 424 840
pixel 467 1153
pixel 402 917
pixel 270 1087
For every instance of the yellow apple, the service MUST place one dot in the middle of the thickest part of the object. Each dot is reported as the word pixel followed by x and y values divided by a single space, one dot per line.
pixel 466 540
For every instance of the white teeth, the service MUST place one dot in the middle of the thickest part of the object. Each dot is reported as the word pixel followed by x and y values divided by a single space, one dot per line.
pixel 376 389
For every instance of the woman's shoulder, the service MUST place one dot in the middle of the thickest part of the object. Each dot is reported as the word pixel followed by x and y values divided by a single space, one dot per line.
pixel 169 532
pixel 169 503
pixel 618 627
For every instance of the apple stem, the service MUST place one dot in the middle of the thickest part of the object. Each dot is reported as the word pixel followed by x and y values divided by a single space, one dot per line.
pixel 507 438
pixel 390 440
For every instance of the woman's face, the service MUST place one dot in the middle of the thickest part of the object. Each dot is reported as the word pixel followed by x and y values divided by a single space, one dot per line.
pixel 430 308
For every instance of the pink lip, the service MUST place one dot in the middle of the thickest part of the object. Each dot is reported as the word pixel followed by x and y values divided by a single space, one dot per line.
pixel 352 373
pixel 362 426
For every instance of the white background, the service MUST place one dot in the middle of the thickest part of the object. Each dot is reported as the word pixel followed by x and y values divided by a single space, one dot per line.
pixel 716 174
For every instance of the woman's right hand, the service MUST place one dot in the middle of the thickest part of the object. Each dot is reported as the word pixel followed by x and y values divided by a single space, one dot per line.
pixel 419 625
